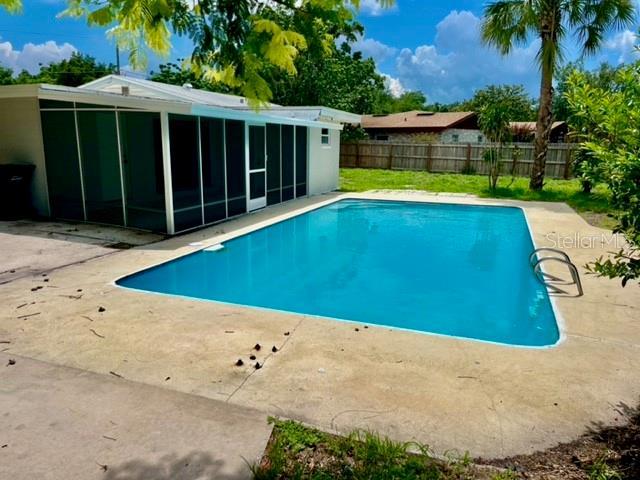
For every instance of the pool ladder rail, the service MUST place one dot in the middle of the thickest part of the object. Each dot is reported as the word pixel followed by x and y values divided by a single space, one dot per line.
pixel 551 281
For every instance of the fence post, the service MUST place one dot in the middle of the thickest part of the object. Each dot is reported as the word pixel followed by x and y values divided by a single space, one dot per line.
pixel 358 154
pixel 429 161
pixel 567 162
pixel 390 164
pixel 467 163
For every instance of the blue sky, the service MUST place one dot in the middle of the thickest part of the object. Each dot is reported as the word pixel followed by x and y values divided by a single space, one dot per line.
pixel 431 46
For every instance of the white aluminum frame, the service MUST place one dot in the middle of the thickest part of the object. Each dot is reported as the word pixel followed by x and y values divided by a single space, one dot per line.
pixel 200 169
pixel 121 165
pixel 260 202
pixel 84 201
pixel 166 170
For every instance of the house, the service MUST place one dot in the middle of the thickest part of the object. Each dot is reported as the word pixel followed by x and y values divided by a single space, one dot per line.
pixel 526 131
pixel 146 155
pixel 445 127
pixel 418 126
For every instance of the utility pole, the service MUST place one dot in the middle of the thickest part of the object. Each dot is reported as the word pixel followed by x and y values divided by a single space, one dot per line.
pixel 117 59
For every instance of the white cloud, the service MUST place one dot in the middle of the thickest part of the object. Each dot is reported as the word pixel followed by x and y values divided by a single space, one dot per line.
pixel 373 8
pixel 394 85
pixel 457 63
pixel 32 55
pixel 371 48
pixel 624 45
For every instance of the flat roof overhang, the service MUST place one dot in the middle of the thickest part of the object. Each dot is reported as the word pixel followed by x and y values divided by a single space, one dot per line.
pixel 72 94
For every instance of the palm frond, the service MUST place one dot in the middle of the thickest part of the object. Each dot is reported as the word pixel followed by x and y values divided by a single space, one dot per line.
pixel 507 23
pixel 598 17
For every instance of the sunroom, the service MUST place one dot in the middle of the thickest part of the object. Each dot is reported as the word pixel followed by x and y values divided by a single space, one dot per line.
pixel 164 158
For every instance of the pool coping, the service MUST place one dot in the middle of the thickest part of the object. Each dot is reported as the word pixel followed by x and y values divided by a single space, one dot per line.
pixel 217 240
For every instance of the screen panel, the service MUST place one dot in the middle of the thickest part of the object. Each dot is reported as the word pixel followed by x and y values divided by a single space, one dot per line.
pixel 301 161
pixel 257 185
pixel 256 147
pixel 236 188
pixel 63 168
pixel 273 164
pixel 101 166
pixel 287 162
pixel 213 169
pixel 185 171
pixel 141 140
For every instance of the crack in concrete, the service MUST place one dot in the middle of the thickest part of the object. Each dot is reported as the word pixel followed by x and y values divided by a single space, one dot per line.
pixel 266 359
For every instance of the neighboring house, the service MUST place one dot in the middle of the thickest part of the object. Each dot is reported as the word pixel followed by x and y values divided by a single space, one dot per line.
pixel 418 126
pixel 445 127
pixel 146 155
pixel 526 131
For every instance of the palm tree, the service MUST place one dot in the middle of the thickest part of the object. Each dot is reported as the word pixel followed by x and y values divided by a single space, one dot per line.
pixel 508 23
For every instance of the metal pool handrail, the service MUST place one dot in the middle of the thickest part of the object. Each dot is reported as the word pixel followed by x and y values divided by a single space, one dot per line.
pixel 547 249
pixel 540 275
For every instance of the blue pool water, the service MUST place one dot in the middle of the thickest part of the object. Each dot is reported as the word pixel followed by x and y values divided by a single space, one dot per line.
pixel 446 269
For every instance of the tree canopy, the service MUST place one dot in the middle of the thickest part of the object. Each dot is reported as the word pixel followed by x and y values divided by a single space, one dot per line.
pixel 6 76
pixel 334 77
pixel 609 118
pixel 72 72
pixel 406 102
pixel 512 99
pixel 235 41
pixel 173 73
pixel 603 76
pixel 12 6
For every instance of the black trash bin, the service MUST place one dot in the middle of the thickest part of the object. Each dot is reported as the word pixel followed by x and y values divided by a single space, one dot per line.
pixel 15 191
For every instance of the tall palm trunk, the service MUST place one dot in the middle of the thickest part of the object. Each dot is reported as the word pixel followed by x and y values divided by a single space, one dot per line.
pixel 543 126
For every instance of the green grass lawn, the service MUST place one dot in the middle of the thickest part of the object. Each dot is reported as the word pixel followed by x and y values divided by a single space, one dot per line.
pixel 593 207
pixel 296 451
pixel 299 452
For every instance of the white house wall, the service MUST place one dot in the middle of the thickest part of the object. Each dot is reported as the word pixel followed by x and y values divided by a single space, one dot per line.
pixel 21 142
pixel 324 162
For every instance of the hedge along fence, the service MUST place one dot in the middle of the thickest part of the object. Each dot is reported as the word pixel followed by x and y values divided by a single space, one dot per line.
pixel 452 158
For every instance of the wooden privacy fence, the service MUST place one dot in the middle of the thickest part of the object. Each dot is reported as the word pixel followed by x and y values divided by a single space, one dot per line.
pixel 452 158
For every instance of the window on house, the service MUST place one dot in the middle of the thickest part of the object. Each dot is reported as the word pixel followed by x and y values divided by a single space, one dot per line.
pixel 382 138
pixel 325 138
pixel 455 138
pixel 480 139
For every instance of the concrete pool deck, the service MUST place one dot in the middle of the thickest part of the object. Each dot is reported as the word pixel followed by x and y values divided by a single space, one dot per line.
pixel 490 400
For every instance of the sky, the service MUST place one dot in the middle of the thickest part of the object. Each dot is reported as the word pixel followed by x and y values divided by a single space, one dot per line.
pixel 432 46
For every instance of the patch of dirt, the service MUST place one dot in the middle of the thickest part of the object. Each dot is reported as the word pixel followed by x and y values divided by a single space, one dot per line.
pixel 618 447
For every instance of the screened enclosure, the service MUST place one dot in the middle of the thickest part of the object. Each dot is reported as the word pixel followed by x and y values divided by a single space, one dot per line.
pixel 166 172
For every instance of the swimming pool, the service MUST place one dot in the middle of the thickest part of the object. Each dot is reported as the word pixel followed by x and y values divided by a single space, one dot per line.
pixel 446 269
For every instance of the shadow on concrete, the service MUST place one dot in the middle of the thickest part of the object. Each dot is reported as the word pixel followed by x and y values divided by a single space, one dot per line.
pixel 197 465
